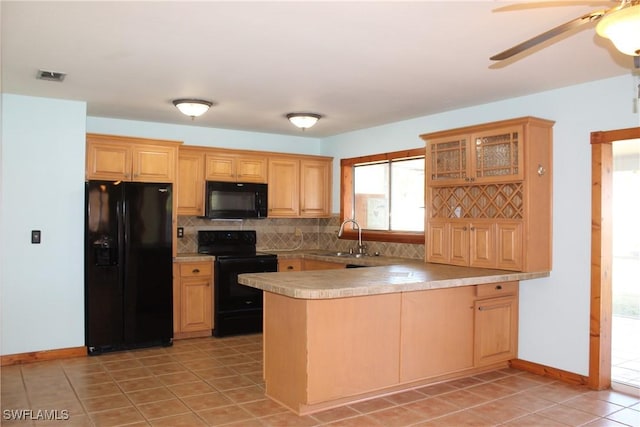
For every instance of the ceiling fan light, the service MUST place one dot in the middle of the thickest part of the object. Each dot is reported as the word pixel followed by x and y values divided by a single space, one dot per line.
pixel 303 120
pixel 192 107
pixel 622 27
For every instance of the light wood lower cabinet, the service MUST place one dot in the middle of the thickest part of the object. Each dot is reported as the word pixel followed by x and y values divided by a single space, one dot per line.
pixel 295 264
pixel 300 264
pixel 312 264
pixel 193 299
pixel 496 323
pixel 439 319
pixel 322 353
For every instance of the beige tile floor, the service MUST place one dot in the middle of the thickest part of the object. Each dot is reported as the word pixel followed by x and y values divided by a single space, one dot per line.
pixel 209 381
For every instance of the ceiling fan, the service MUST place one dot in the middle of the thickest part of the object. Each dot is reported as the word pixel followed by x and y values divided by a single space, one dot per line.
pixel 620 23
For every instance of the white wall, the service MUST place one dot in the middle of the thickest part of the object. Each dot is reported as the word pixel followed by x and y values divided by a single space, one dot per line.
pixel 202 136
pixel 554 312
pixel 41 286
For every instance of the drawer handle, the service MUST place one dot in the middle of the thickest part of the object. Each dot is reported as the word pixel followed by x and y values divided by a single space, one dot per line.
pixel 290 267
pixel 499 287
pixel 195 270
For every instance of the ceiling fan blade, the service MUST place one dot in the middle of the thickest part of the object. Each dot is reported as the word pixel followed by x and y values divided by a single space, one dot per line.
pixel 534 41
pixel 552 3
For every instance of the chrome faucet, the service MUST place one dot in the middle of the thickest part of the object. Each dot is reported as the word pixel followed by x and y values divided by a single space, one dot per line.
pixel 361 248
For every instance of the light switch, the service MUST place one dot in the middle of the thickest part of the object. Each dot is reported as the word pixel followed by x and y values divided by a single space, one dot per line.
pixel 36 236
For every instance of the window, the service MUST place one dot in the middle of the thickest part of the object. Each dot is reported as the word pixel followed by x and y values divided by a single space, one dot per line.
pixel 385 194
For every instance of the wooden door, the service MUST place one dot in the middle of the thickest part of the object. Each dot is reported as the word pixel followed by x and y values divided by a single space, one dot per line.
pixel 437 241
pixel 497 155
pixel 496 330
pixel 108 161
pixel 509 245
pixel 437 332
pixel 315 188
pixel 251 169
pixel 219 167
pixel 482 252
pixel 154 163
pixel 448 160
pixel 190 183
pixel 459 243
pixel 284 188
pixel 195 298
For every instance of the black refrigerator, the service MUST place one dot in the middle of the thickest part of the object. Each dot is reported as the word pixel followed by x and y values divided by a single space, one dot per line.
pixel 128 265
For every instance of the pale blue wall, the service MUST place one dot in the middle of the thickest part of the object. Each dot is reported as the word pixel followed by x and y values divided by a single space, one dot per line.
pixel 42 286
pixel 43 143
pixel 554 312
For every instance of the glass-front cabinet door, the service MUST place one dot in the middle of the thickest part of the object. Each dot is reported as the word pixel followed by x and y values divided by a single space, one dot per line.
pixel 497 155
pixel 448 161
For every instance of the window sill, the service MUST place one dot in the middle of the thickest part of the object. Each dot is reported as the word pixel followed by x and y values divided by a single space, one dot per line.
pixel 386 236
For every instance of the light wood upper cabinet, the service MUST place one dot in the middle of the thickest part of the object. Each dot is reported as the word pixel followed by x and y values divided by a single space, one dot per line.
pixel 493 155
pixel 315 188
pixel 235 167
pixel 488 195
pixel 130 159
pixel 299 186
pixel 284 187
pixel 191 182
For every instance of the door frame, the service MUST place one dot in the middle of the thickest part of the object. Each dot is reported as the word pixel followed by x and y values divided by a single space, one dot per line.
pixel 601 253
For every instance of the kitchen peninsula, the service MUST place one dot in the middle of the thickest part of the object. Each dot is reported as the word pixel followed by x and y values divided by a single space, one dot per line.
pixel 333 337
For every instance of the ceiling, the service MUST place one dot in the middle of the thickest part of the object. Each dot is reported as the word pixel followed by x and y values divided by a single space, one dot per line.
pixel 359 64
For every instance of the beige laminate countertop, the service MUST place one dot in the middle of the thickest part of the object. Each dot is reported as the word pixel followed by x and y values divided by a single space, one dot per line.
pixel 193 257
pixel 385 275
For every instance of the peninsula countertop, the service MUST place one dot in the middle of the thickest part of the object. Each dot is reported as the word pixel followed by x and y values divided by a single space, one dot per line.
pixel 398 275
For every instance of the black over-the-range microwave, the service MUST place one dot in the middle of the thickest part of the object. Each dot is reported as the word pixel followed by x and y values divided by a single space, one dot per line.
pixel 235 200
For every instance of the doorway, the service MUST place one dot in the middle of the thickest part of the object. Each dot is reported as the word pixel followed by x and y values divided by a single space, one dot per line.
pixel 625 333
pixel 600 330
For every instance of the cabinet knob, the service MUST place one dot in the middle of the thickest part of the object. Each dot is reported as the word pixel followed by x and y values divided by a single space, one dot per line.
pixel 464 228
pixel 289 267
pixel 195 270
pixel 499 287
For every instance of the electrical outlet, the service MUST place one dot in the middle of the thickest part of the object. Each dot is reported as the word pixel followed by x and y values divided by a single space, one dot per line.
pixel 298 232
pixel 180 232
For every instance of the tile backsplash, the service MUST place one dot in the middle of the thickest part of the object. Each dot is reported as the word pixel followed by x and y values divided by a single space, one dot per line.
pixel 280 235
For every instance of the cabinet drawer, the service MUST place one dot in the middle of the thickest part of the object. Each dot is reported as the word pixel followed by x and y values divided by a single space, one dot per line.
pixel 290 265
pixel 496 289
pixel 200 269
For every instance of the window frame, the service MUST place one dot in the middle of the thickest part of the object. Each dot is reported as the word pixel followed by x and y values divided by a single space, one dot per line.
pixel 347 198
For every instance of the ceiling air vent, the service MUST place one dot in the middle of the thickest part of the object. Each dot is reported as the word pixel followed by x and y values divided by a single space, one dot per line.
pixel 52 76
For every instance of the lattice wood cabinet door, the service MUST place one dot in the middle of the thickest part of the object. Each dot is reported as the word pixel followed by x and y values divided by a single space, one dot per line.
pixel 488 195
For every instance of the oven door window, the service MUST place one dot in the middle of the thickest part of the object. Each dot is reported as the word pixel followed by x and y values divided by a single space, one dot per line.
pixel 231 295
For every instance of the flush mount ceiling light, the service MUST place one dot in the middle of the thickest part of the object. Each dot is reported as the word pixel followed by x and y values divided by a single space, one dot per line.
pixel 192 107
pixel 622 27
pixel 303 120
